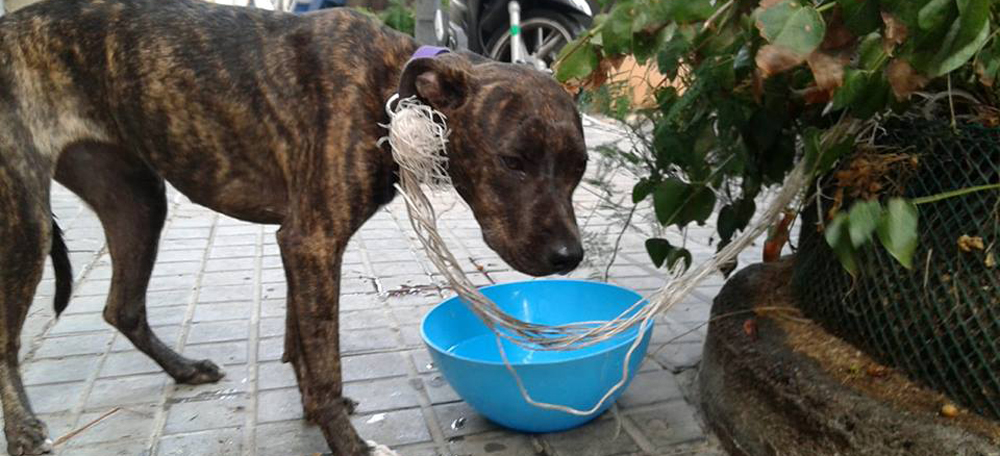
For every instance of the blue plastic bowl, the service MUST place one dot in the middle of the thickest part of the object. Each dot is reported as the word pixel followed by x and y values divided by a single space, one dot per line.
pixel 466 352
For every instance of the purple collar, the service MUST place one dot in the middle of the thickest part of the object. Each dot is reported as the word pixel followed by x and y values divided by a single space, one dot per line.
pixel 427 52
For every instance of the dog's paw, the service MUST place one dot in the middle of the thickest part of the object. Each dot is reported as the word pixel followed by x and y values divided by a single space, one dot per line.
pixel 28 438
pixel 380 450
pixel 200 372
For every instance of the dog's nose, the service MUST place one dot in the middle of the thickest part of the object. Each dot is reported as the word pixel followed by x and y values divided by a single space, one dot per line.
pixel 564 257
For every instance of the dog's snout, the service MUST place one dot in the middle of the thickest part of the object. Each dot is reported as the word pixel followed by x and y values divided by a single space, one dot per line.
pixel 565 257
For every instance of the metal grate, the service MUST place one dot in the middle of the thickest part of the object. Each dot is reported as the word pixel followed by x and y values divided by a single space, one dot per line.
pixel 940 321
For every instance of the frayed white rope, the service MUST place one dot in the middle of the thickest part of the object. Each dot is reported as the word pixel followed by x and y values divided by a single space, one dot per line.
pixel 419 148
pixel 418 137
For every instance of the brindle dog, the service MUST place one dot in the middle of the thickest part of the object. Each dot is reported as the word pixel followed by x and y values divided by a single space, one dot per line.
pixel 267 117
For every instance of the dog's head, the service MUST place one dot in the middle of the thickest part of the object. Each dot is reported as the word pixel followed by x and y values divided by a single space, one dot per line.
pixel 516 153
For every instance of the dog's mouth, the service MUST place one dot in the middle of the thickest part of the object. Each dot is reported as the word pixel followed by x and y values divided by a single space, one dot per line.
pixel 553 258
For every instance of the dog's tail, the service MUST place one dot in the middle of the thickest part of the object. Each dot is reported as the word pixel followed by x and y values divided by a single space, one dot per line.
pixel 63 268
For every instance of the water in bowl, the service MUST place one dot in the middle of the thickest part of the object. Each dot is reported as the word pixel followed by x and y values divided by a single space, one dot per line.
pixel 484 348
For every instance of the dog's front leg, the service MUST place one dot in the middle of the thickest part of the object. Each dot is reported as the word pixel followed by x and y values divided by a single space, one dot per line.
pixel 312 344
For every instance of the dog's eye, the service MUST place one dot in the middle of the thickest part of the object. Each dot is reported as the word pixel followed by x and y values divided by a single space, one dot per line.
pixel 513 163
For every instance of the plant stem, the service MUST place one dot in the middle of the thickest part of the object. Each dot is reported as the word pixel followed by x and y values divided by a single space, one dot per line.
pixel 955 193
pixel 825 6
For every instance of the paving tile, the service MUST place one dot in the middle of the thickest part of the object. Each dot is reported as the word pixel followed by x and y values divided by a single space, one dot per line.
pixel 170 298
pixel 290 438
pixel 275 275
pixel 494 444
pixel 221 353
pixel 128 363
pixel 165 316
pixel 240 239
pixel 193 416
pixel 181 283
pixel 650 388
pixel 141 389
pixel 678 357
pixel 459 419
pixel 224 293
pixel 270 349
pixel 163 268
pixel 383 395
pixel 236 381
pixel 80 323
pixel 212 279
pixel 115 448
pixel 183 256
pixel 279 405
pixel 217 442
pixel 222 311
pixel 46 371
pixel 55 398
pixel 364 319
pixel 669 425
pixel 126 423
pixel 276 290
pixel 232 251
pixel 275 375
pixel 393 428
pixel 438 389
pixel 367 340
pixel 57 347
pixel 597 438
pixel 271 327
pixel 377 365
pixel 217 331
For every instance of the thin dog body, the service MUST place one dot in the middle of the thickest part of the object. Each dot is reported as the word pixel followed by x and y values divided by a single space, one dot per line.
pixel 267 117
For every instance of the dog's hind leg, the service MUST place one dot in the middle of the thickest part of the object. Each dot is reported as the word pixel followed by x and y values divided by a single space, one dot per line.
pixel 25 240
pixel 129 198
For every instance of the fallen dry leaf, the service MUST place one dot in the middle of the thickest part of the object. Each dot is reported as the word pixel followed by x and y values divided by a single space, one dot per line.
pixel 990 260
pixel 837 35
pixel 904 79
pixel 968 243
pixel 827 69
pixel 773 59
pixel 895 32
pixel 877 371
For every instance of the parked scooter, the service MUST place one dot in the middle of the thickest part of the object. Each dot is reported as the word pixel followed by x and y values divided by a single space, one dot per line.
pixel 526 31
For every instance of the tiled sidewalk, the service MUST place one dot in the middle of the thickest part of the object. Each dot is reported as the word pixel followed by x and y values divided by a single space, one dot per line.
pixel 219 293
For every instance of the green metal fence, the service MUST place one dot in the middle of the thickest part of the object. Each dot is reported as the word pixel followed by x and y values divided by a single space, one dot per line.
pixel 940 321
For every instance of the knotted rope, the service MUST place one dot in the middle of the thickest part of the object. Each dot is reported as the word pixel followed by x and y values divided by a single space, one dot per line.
pixel 418 137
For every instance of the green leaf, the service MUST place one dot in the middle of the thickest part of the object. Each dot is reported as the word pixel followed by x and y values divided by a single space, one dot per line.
pixel 699 204
pixel 679 254
pixel 641 190
pixel 966 37
pixel 580 61
pixel 839 239
pixel 863 217
pixel 658 250
pixel 662 252
pixel 616 36
pixel 898 230
pixel 934 13
pixel 684 11
pixel 793 26
pixel 860 16
pixel 872 53
pixel 667 199
pixel 854 82
pixel 668 60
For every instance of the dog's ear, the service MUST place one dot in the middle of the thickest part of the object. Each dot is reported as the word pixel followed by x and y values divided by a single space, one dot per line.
pixel 442 82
